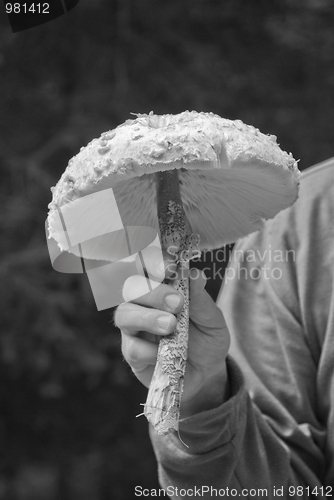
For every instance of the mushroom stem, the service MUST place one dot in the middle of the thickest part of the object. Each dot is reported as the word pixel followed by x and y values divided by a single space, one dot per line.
pixel 162 406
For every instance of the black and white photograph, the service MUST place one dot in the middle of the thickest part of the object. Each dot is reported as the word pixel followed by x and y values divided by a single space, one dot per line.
pixel 166 249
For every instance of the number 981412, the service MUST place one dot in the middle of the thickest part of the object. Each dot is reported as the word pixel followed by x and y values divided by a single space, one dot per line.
pixel 27 8
pixel 307 491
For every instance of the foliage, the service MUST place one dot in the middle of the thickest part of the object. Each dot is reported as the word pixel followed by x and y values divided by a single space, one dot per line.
pixel 67 399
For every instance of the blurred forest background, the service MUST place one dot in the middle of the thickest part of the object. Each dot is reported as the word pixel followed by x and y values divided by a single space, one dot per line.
pixel 67 399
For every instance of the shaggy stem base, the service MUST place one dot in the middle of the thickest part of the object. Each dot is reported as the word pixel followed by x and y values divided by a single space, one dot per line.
pixel 162 406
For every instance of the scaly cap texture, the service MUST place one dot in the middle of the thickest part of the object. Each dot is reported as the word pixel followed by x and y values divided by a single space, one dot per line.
pixel 232 176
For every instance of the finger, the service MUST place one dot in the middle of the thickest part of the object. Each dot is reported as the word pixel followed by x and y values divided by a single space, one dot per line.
pixel 132 318
pixel 164 297
pixel 158 264
pixel 139 353
pixel 202 310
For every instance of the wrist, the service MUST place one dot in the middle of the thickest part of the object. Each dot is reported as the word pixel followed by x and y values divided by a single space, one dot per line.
pixel 214 392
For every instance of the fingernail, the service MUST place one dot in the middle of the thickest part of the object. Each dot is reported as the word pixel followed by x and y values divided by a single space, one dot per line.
pixel 163 322
pixel 172 301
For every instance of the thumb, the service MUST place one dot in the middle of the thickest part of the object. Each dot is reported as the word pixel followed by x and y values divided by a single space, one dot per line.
pixel 202 309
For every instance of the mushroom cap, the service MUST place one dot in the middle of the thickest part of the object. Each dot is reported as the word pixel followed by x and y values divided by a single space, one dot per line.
pixel 232 176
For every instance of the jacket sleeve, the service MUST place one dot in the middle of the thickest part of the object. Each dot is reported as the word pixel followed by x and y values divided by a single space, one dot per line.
pixel 274 436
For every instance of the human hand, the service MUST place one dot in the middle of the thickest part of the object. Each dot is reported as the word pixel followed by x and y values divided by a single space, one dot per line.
pixel 205 383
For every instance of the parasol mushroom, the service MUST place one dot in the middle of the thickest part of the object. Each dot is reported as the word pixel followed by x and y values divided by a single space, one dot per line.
pixel 201 180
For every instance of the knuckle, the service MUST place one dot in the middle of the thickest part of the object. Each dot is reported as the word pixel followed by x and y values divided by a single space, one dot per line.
pixel 122 307
pixel 118 315
pixel 147 320
pixel 129 351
